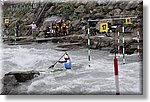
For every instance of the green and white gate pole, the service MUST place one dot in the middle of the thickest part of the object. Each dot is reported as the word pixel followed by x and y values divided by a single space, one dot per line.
pixel 123 41
pixel 89 43
pixel 138 40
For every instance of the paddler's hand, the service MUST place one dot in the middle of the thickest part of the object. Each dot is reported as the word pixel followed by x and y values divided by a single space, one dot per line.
pixel 52 66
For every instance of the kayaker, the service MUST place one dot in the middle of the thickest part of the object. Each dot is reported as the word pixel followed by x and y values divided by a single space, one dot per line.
pixel 66 61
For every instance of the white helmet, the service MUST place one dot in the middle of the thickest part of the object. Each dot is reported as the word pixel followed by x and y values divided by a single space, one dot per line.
pixel 65 56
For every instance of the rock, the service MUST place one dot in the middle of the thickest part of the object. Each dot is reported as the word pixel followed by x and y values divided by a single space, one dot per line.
pixel 133 12
pixel 76 24
pixel 91 5
pixel 130 47
pixel 114 50
pixel 109 7
pixel 28 18
pixel 22 76
pixel 103 42
pixel 99 9
pixel 80 9
pixel 94 45
pixel 69 46
pixel 127 51
pixel 9 83
pixel 56 40
pixel 126 12
pixel 50 11
pixel 123 5
pixel 77 4
pixel 9 80
pixel 12 80
pixel 128 29
pixel 131 5
pixel 139 8
pixel 115 12
pixel 99 15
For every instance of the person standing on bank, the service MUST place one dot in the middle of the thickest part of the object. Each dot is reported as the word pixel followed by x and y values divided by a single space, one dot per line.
pixel 33 25
pixel 66 61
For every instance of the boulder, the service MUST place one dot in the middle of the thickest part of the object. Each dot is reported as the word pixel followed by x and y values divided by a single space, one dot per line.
pixel 126 12
pixel 127 51
pixel 131 5
pixel 12 80
pixel 123 5
pixel 9 83
pixel 115 12
pixel 50 11
pixel 139 8
pixel 22 76
pixel 91 5
pixel 76 24
pixel 99 15
pixel 80 9
pixel 56 40
pixel 9 80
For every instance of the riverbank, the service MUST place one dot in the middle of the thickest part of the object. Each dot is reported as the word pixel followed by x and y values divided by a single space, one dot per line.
pixel 98 41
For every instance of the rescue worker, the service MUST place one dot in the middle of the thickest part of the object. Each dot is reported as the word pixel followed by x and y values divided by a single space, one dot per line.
pixel 67 28
pixel 54 27
pixel 64 28
pixel 60 26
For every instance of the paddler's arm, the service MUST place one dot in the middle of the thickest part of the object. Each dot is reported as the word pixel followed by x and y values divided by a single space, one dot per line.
pixel 62 61
pixel 68 56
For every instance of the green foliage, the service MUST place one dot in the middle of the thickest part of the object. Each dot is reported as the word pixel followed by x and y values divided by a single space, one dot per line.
pixel 19 14
pixel 5 12
pixel 66 9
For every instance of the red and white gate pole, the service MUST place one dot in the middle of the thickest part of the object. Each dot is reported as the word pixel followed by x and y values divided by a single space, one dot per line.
pixel 116 75
pixel 138 40
pixel 123 42
pixel 118 41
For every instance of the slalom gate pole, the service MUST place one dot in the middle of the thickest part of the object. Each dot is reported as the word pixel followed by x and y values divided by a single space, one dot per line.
pixel 89 45
pixel 118 40
pixel 123 42
pixel 116 75
pixel 138 40
pixel 15 37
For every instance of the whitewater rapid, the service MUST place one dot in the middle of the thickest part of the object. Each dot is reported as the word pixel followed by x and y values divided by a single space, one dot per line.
pixel 82 79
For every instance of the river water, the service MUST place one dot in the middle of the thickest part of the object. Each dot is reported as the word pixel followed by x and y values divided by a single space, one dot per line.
pixel 82 79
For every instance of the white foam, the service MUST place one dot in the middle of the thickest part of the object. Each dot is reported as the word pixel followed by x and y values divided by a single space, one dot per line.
pixel 83 79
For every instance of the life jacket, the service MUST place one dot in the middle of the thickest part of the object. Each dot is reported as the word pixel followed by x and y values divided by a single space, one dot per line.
pixel 57 25
pixel 68 64
pixel 67 26
pixel 54 26
pixel 64 25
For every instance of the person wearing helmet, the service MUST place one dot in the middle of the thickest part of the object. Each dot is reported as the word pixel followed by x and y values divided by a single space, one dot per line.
pixel 66 61
pixel 67 28
pixel 64 29
pixel 33 25
pixel 54 27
